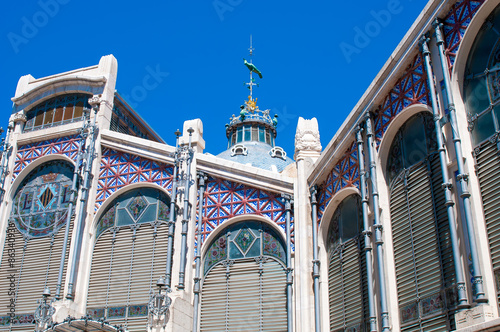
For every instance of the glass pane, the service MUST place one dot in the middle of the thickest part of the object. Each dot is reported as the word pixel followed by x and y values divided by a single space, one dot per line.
pixel 39 119
pixel 78 110
pixel 268 137
pixel 49 114
pixel 68 112
pixel 483 128
pixel 262 134
pixel 233 138
pixel 349 218
pixel 59 114
pixel 255 133
pixel 476 95
pixel 239 136
pixel 247 133
pixel 414 144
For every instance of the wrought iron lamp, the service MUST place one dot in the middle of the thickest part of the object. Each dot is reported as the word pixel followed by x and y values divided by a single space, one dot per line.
pixel 159 303
pixel 44 311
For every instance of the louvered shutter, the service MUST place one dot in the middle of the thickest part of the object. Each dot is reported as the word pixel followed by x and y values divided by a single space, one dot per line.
pixel 488 172
pixel 420 248
pixel 347 287
pixel 214 300
pixel 244 297
pixel 123 271
pixel 244 288
pixel 36 267
pixel 274 314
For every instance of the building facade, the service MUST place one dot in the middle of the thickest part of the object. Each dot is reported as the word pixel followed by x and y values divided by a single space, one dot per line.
pixel 394 225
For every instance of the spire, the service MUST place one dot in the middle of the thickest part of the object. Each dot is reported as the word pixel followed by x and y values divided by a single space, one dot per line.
pixel 251 67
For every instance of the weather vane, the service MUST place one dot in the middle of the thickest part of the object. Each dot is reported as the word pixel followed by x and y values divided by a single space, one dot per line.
pixel 252 69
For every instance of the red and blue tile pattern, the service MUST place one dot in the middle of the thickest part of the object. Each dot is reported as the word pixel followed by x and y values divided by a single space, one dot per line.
pixel 225 199
pixel 28 153
pixel 119 169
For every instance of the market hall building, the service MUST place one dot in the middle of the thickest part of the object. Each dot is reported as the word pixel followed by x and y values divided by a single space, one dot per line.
pixel 394 225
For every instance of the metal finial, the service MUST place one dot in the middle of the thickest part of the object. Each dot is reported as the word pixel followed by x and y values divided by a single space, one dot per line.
pixel 251 48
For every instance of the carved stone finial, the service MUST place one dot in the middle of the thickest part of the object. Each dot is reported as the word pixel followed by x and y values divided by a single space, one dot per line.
pixel 95 100
pixel 19 117
pixel 307 136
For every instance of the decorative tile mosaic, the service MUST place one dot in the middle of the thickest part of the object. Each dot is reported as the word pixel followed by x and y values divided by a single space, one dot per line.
pixel 26 154
pixel 410 89
pixel 244 240
pixel 137 206
pixel 96 313
pixel 225 199
pixel 455 23
pixel 23 319
pixel 432 304
pixel 216 252
pixel 409 312
pixel 273 247
pixel 119 169
pixel 138 310
pixel 117 312
pixel 4 320
pixel 344 174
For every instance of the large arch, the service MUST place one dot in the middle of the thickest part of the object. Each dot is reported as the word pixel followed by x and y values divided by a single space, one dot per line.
pixel 129 251
pixel 476 78
pixel 423 259
pixel 39 212
pixel 246 262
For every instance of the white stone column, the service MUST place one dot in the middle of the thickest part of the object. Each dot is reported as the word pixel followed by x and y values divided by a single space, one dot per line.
pixel 307 151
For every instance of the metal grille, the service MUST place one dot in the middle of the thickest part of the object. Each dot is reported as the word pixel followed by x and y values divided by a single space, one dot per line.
pixel 422 250
pixel 244 295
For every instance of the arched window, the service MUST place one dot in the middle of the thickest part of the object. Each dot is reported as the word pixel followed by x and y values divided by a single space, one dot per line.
pixel 244 282
pixel 57 111
pixel 34 240
pixel 130 253
pixel 482 100
pixel 482 81
pixel 423 255
pixel 347 284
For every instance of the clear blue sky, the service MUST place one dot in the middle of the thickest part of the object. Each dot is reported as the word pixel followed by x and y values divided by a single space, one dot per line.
pixel 314 61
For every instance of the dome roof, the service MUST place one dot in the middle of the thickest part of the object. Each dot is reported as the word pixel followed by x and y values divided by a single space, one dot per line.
pixel 259 155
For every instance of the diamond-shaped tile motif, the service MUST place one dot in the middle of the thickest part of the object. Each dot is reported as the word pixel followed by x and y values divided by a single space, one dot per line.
pixel 244 240
pixel 46 197
pixel 137 206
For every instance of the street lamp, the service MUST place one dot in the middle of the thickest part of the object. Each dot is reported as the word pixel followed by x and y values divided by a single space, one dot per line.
pixel 44 311
pixel 159 303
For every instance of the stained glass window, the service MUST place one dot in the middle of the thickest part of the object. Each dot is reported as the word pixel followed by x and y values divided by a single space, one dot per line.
pixel 245 240
pixel 414 141
pixel 57 111
pixel 40 205
pixel 482 81
pixel 136 206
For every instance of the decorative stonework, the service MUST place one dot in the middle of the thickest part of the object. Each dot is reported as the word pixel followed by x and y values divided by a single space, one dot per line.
pixel 344 174
pixel 119 169
pixel 225 199
pixel 26 154
pixel 19 117
pixel 307 136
